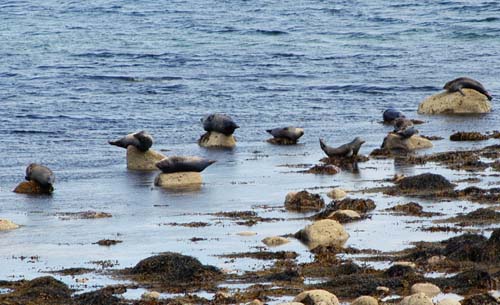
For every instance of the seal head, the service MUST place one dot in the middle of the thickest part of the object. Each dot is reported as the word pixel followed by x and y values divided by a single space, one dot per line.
pixel 290 133
pixel 218 122
pixel 464 82
pixel 175 164
pixel 141 140
pixel 391 114
pixel 41 175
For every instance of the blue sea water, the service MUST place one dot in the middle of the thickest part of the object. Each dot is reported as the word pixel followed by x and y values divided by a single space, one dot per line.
pixel 75 74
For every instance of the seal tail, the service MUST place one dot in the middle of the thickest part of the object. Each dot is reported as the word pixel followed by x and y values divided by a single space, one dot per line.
pixel 269 131
pixel 118 143
pixel 322 144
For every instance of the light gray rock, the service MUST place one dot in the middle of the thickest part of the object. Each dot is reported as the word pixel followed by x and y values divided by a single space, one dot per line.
pixel 337 193
pixel 150 296
pixel 325 232
pixel 179 180
pixel 448 301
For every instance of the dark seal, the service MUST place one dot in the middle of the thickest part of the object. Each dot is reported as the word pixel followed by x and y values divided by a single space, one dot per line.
pixel 221 123
pixel 290 133
pixel 391 114
pixel 464 82
pixel 141 140
pixel 347 150
pixel 41 175
pixel 175 164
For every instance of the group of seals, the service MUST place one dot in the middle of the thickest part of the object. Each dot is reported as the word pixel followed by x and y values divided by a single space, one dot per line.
pixel 458 84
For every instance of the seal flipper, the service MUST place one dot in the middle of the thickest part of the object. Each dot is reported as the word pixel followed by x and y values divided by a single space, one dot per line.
pixel 461 92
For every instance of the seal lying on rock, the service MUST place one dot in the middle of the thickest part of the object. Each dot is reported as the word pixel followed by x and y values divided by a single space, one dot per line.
pixel 347 150
pixel 404 128
pixel 218 122
pixel 141 140
pixel 465 82
pixel 177 164
pixel 290 133
pixel 392 114
pixel 40 174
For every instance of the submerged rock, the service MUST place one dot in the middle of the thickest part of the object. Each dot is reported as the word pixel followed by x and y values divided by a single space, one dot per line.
pixel 216 139
pixel 455 103
pixel 303 201
pixel 317 297
pixel 324 232
pixel 344 216
pixel 174 271
pixel 142 161
pixel 324 169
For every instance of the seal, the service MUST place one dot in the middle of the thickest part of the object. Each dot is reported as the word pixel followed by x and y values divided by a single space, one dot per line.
pixel 218 122
pixel 347 150
pixel 465 82
pixel 141 140
pixel 404 128
pixel 291 133
pixel 41 175
pixel 175 164
pixel 391 114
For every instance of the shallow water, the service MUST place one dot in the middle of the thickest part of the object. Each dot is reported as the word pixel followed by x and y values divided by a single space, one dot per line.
pixel 75 75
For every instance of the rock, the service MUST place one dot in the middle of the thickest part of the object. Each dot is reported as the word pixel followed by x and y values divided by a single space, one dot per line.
pixel 303 201
pixel 337 193
pixel 455 103
pixel 448 301
pixel 324 232
pixel 425 181
pixel 317 297
pixel 365 300
pixel 395 142
pixel 281 141
pixel 416 299
pixel 406 264
pixel 142 161
pixel 246 233
pixel 255 302
pixel 468 136
pixel 356 204
pixel 179 180
pixel 216 139
pixel 274 241
pixel 429 289
pixel 41 291
pixel 291 303
pixel 31 187
pixel 324 169
pixel 6 224
pixel 174 271
pixel 344 216
pixel 480 299
pixel 436 259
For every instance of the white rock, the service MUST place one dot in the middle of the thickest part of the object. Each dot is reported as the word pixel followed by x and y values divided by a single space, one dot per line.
pixel 179 180
pixel 448 301
pixel 317 296
pixel 323 232
pixel 150 296
pixel 337 193
pixel 416 299
pixel 393 141
pixel 6 224
pixel 455 103
pixel 274 241
pixel 246 233
pixel 365 300
pixel 429 289
pixel 142 161
pixel 215 139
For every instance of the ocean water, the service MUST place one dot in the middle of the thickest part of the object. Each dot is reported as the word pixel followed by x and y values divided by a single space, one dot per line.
pixel 74 75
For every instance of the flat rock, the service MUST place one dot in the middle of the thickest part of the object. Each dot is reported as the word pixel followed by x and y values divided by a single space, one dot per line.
pixel 6 224
pixel 274 241
pixel 337 193
pixel 448 301
pixel 178 180
pixel 31 187
pixel 216 139
pixel 365 300
pixel 324 232
pixel 416 299
pixel 395 142
pixel 316 297
pixel 143 161
pixel 455 103
pixel 429 289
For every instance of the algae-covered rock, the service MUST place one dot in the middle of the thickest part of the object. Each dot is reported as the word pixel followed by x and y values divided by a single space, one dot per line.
pixel 216 139
pixel 455 103
pixel 6 224
pixel 178 180
pixel 468 136
pixel 317 297
pixel 359 205
pixel 427 181
pixel 394 142
pixel 480 299
pixel 40 291
pixel 142 161
pixel 303 201
pixel 324 232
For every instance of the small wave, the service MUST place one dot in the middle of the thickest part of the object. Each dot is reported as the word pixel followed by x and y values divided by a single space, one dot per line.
pixel 25 131
pixel 271 32
pixel 133 78
pixel 107 54
pixel 488 19
pixel 372 89
pixel 287 55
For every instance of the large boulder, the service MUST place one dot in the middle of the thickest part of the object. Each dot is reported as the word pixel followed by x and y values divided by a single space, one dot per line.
pixel 324 232
pixel 142 161
pixel 395 142
pixel 6 224
pixel 179 180
pixel 455 103
pixel 216 139
pixel 316 297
